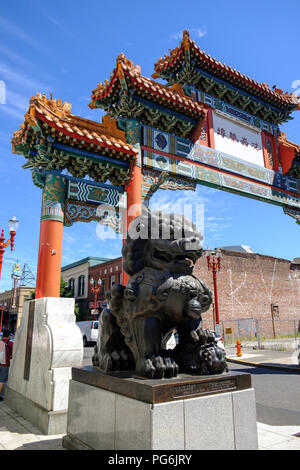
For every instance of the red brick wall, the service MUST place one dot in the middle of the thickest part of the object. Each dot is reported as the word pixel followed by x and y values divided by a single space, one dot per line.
pixel 247 286
pixel 105 271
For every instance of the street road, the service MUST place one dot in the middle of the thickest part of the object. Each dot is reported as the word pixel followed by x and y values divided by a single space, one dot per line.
pixel 277 392
pixel 277 395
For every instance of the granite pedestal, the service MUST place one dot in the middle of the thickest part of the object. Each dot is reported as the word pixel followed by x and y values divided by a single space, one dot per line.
pixel 47 344
pixel 120 411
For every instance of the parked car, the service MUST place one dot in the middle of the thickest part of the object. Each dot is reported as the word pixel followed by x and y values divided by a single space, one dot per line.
pixel 89 331
pixel 219 340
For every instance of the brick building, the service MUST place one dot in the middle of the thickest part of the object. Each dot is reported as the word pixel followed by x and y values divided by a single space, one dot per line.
pixel 248 284
pixel 12 315
pixel 109 273
pixel 77 277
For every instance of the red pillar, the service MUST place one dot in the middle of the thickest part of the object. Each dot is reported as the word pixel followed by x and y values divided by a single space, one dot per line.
pixel 216 297
pixel 271 161
pixel 2 250
pixel 134 187
pixel 210 124
pixel 201 131
pixel 51 237
pixel 49 259
pixel 134 203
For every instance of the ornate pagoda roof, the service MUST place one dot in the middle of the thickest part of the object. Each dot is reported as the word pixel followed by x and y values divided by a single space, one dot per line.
pixel 128 91
pixel 188 52
pixel 53 138
pixel 70 128
pixel 287 143
pixel 295 166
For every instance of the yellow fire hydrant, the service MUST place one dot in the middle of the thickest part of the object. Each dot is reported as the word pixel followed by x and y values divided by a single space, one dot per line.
pixel 238 348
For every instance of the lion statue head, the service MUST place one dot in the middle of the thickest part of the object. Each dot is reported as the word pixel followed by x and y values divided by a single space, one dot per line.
pixel 163 241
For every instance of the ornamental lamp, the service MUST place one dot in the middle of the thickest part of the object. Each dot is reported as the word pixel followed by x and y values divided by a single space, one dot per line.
pixel 96 291
pixel 214 265
pixel 13 224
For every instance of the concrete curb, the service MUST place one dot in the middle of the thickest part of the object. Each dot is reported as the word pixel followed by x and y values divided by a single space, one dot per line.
pixel 285 367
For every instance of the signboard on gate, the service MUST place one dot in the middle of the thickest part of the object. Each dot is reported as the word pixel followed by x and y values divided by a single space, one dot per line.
pixel 238 140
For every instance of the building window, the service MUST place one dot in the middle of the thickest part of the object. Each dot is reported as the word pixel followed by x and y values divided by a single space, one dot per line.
pixel 112 281
pixel 72 285
pixel 81 285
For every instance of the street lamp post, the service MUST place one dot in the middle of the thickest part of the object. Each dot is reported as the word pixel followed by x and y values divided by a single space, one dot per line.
pixel 95 290
pixel 13 226
pixel 3 307
pixel 214 265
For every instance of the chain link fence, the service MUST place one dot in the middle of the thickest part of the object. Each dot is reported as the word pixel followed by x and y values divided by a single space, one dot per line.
pixel 260 333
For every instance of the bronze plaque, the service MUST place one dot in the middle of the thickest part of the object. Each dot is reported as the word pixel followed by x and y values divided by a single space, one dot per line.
pixel 206 388
pixel 29 340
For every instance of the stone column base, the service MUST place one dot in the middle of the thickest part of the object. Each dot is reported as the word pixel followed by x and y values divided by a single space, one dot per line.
pixel 47 344
pixel 49 422
pixel 119 412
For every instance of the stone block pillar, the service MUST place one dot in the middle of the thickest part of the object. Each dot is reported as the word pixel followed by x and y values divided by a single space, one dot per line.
pixel 47 345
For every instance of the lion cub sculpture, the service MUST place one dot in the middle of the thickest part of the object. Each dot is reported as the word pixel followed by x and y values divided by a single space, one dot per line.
pixel 161 295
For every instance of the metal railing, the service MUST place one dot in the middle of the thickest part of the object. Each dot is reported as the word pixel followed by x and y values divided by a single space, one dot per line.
pixel 259 332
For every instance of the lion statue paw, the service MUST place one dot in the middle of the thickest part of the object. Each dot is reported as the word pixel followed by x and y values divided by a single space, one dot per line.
pixel 201 355
pixel 157 367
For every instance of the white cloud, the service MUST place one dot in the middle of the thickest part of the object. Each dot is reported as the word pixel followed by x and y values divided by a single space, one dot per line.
pixel 196 32
pixel 205 206
pixel 13 56
pixel 12 29
pixel 68 238
pixel 16 105
pixel 200 33
pixel 12 112
pixel 21 79
pixel 59 25
pixel 17 100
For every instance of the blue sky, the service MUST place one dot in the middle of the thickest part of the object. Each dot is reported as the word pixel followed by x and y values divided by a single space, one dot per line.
pixel 66 47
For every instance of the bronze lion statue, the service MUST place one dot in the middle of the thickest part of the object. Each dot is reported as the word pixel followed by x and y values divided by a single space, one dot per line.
pixel 161 295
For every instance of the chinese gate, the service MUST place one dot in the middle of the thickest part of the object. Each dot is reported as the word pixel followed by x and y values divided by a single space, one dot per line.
pixel 209 125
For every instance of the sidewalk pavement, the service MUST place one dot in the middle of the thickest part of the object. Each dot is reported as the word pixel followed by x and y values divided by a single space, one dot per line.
pixel 281 360
pixel 271 437
pixel 18 434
